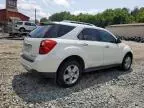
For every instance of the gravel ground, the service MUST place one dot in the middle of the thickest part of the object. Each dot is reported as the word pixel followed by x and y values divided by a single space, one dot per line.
pixel 106 88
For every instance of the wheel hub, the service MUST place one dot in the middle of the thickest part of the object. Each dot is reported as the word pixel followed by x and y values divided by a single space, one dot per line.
pixel 127 62
pixel 71 74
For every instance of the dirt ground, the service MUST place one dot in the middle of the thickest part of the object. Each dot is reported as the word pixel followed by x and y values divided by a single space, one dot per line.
pixel 106 88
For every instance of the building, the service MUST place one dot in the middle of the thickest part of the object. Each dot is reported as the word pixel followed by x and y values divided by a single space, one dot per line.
pixel 10 14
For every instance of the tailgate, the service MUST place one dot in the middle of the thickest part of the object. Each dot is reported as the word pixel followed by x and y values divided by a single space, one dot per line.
pixel 31 47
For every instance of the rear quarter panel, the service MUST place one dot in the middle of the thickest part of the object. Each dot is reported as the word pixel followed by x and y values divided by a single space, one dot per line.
pixel 66 48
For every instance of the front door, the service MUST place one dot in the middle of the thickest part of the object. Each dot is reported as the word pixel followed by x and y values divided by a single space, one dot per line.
pixel 93 48
pixel 112 50
pixel 112 53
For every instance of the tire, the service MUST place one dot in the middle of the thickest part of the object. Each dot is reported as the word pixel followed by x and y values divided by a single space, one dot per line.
pixel 127 62
pixel 22 29
pixel 69 73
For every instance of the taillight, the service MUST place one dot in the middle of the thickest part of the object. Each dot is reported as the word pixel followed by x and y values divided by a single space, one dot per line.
pixel 46 46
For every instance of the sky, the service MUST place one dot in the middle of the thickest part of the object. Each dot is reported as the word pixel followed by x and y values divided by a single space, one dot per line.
pixel 45 8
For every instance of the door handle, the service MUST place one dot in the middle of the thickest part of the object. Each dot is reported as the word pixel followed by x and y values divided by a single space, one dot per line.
pixel 84 44
pixel 106 46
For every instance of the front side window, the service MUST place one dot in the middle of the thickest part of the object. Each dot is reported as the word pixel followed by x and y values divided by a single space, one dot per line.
pixel 89 34
pixel 106 37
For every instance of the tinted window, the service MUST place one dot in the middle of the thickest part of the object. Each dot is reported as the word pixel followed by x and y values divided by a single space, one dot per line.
pixel 80 36
pixel 19 23
pixel 39 32
pixel 63 29
pixel 106 37
pixel 50 31
pixel 27 23
pixel 89 34
pixel 32 24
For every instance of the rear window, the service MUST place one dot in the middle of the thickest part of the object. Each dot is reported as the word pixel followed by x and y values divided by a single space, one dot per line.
pixel 51 31
pixel 19 23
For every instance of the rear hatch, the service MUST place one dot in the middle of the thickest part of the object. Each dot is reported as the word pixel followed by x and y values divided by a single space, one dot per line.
pixel 32 42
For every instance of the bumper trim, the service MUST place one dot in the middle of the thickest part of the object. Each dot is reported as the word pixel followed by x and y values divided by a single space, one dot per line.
pixel 27 58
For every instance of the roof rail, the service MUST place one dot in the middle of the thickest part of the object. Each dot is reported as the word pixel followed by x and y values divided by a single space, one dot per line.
pixel 77 22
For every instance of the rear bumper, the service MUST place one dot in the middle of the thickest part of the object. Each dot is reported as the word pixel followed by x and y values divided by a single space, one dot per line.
pixel 41 65
pixel 47 75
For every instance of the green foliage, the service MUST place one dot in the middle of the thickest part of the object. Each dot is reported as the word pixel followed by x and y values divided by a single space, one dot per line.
pixel 43 20
pixel 107 17
pixel 60 16
pixel 140 15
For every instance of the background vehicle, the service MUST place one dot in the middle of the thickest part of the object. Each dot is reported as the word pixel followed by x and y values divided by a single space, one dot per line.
pixel 66 49
pixel 24 26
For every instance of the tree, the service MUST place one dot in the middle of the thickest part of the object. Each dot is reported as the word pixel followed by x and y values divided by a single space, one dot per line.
pixel 140 16
pixel 44 19
pixel 107 17
pixel 60 16
pixel 37 21
pixel 135 11
pixel 126 9
pixel 122 16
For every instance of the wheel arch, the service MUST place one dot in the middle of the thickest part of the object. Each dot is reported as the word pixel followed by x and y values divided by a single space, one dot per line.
pixel 129 53
pixel 22 28
pixel 73 57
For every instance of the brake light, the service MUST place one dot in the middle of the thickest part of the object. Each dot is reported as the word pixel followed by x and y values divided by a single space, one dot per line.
pixel 46 46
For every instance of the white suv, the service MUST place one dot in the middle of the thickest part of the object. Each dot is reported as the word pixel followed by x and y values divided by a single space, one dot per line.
pixel 66 49
pixel 24 26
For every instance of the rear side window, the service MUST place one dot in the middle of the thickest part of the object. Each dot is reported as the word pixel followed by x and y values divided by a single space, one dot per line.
pixel 19 23
pixel 51 31
pixel 63 29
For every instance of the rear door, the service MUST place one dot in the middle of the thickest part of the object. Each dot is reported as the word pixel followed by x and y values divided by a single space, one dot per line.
pixel 27 26
pixel 92 47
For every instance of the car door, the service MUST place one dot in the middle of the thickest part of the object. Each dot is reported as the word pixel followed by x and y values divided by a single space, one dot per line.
pixel 28 26
pixel 92 47
pixel 112 50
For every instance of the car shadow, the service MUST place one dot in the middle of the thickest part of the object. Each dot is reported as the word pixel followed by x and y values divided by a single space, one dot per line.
pixel 13 37
pixel 32 87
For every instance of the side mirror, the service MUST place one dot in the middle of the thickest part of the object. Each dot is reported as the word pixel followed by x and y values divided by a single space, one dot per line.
pixel 118 40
